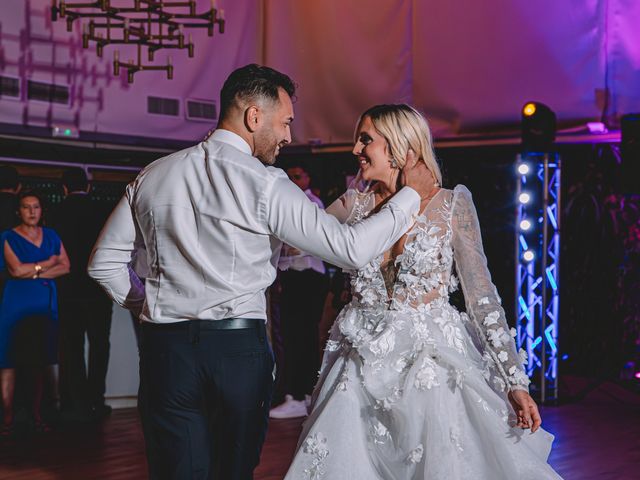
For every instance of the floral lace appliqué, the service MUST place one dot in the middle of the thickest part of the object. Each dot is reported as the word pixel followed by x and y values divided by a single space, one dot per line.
pixel 316 446
pixel 415 455
pixel 343 382
pixel 379 433
pixel 426 377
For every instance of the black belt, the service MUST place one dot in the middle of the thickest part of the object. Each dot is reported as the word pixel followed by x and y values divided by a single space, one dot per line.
pixel 224 324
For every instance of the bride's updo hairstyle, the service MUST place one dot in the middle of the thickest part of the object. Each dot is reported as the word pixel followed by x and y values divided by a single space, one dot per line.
pixel 404 128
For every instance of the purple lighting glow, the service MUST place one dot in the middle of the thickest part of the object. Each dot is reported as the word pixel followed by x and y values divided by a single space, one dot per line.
pixel 638 375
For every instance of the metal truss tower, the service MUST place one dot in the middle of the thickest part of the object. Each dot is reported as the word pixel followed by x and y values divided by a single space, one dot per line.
pixel 538 269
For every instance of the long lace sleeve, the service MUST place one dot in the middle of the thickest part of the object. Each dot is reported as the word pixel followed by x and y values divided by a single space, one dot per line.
pixel 352 206
pixel 342 206
pixel 482 300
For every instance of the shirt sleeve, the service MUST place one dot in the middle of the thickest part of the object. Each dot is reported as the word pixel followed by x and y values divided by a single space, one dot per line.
pixel 295 220
pixel 481 297
pixel 111 262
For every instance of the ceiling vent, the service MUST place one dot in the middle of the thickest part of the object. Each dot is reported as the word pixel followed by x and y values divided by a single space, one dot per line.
pixel 9 87
pixel 201 110
pixel 47 92
pixel 163 106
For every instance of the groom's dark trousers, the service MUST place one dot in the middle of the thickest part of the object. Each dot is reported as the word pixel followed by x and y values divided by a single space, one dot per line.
pixel 205 392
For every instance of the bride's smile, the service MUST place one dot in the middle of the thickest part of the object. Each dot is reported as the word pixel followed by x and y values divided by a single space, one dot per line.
pixel 372 153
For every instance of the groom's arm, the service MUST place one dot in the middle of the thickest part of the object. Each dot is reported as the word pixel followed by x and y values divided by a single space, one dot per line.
pixel 112 260
pixel 297 221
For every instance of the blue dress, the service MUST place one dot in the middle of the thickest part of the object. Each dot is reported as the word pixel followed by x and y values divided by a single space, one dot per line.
pixel 29 307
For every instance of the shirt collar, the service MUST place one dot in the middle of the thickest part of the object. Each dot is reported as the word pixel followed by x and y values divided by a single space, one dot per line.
pixel 233 139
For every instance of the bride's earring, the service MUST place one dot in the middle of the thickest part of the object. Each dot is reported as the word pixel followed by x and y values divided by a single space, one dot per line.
pixel 394 163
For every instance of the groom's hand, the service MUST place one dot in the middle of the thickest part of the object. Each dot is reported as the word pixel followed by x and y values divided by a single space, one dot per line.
pixel 416 175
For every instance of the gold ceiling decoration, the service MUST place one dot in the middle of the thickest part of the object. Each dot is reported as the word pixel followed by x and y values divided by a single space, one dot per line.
pixel 151 25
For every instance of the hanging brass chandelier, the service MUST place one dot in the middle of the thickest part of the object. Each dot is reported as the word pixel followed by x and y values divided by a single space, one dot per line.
pixel 150 25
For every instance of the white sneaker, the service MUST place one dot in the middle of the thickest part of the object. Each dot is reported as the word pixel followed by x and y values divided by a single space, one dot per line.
pixel 291 408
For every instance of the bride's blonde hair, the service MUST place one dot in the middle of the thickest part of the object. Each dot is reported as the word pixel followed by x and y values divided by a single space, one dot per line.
pixel 404 128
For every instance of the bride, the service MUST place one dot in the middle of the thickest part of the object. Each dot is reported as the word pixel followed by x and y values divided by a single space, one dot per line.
pixel 409 387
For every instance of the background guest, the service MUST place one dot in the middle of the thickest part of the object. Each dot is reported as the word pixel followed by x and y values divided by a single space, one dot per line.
pixel 9 188
pixel 303 288
pixel 84 307
pixel 33 256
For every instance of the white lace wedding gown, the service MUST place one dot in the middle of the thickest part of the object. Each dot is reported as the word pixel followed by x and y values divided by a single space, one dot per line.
pixel 409 387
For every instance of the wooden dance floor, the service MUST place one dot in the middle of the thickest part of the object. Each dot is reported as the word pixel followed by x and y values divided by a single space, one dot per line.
pixel 596 438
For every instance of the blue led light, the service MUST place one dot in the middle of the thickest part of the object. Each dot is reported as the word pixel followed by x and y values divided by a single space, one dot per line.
pixel 525 308
pixel 552 281
pixel 552 218
pixel 535 284
pixel 547 333
pixel 523 243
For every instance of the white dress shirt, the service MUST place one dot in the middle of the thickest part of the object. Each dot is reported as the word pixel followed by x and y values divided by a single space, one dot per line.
pixel 211 220
pixel 294 259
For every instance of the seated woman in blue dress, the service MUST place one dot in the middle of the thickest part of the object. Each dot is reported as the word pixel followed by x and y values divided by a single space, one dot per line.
pixel 33 256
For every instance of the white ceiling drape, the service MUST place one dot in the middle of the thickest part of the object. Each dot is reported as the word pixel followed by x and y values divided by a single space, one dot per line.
pixel 468 65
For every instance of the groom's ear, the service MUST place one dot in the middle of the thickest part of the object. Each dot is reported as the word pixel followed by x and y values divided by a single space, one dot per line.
pixel 252 118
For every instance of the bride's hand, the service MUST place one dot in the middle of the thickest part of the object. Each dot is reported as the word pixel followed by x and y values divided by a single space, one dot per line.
pixel 416 175
pixel 526 410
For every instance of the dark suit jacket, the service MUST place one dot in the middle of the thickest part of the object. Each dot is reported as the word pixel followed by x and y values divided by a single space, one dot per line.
pixel 79 220
pixel 8 208
pixel 8 219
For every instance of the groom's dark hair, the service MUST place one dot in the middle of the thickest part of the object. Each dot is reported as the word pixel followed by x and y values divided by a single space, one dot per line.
pixel 252 82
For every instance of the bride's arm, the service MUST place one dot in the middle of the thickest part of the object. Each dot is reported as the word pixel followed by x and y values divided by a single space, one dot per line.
pixel 353 205
pixel 342 206
pixel 482 300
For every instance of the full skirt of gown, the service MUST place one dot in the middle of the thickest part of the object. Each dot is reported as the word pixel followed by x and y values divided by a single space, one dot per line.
pixel 384 409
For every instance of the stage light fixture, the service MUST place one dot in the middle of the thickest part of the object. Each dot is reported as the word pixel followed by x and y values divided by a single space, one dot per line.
pixel 524 198
pixel 529 109
pixel 525 225
pixel 523 169
pixel 538 127
pixel 528 256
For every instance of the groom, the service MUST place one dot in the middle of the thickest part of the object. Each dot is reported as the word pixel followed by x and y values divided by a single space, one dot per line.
pixel 211 220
